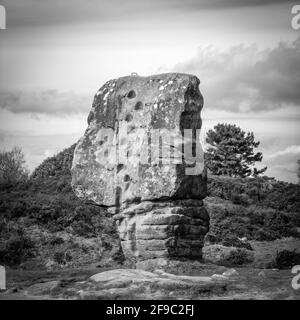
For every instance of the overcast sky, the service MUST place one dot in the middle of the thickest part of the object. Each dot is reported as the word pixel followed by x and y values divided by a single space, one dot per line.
pixel 54 55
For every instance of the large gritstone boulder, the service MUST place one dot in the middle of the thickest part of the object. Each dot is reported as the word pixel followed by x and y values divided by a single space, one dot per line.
pixel 141 157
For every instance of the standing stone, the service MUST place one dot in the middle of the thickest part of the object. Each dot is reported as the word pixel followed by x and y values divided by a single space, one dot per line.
pixel 133 159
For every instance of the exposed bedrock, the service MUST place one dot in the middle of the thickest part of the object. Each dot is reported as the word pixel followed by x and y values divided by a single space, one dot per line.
pixel 141 157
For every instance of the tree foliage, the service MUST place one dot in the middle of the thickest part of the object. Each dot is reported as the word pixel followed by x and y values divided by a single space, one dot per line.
pixel 298 171
pixel 231 152
pixel 12 167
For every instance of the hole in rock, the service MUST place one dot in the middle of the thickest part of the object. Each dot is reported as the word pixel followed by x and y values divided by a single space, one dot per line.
pixel 127 186
pixel 128 117
pixel 138 106
pixel 126 178
pixel 130 128
pixel 120 167
pixel 118 196
pixel 131 94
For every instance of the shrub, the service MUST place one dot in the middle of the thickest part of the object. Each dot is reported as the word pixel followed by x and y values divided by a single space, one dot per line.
pixel 17 249
pixel 56 166
pixel 118 256
pixel 12 167
pixel 265 235
pixel 232 241
pixel 229 222
pixel 82 228
pixel 264 191
pixel 241 199
pixel 56 241
pixel 238 257
pixel 59 257
pixel 227 256
pixel 285 259
pixel 62 257
pixel 47 200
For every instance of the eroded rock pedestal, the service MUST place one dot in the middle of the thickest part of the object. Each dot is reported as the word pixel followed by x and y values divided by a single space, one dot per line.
pixel 170 229
pixel 141 157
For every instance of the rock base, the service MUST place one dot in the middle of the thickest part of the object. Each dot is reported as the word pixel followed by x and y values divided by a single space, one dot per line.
pixel 163 230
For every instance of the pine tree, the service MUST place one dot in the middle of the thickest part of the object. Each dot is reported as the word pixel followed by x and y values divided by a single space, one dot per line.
pixel 231 152
pixel 298 171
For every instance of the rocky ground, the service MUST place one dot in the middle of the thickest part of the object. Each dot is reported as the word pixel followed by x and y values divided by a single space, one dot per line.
pixel 177 280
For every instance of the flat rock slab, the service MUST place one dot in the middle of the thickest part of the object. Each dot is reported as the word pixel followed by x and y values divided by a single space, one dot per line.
pixel 131 284
pixel 109 278
pixel 135 283
pixel 44 288
pixel 193 283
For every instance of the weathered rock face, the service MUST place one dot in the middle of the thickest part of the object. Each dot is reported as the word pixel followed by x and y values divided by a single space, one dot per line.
pixel 168 229
pixel 141 157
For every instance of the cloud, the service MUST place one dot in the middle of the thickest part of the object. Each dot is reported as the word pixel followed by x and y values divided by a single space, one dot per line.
pixel 283 163
pixel 245 79
pixel 239 79
pixel 49 102
pixel 228 4
pixel 44 12
pixel 291 150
